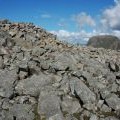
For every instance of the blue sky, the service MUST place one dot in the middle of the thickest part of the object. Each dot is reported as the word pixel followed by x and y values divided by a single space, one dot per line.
pixel 71 16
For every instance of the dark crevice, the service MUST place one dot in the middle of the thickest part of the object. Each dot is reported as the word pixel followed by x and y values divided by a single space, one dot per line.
pixel 79 99
pixel 13 96
pixel 118 77
pixel 32 71
pixel 14 118
pixel 116 68
pixel 105 103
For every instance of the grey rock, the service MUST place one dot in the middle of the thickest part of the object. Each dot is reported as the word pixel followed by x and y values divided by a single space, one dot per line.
pixel 111 118
pixel 100 103
pixel 69 105
pixel 4 51
pixel 64 61
pixel 23 65
pixel 16 49
pixel 23 75
pixel 113 101
pixel 89 106
pixel 94 117
pixel 12 33
pixel 80 89
pixel 5 104
pixel 105 108
pixel 49 105
pixel 20 56
pixel 57 117
pixel 31 86
pixel 45 65
pixel 7 79
pixel 38 51
pixel 19 112
pixel 113 67
pixel 71 117
pixel 26 100
pixel 1 63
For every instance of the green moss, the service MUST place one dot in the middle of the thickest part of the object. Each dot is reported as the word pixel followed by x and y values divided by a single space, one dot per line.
pixel 43 117
pixel 86 117
pixel 65 113
pixel 106 114
pixel 77 115
pixel 37 116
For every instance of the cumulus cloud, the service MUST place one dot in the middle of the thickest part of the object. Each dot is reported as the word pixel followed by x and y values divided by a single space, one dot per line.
pixel 83 19
pixel 108 24
pixel 45 16
pixel 73 37
pixel 117 1
pixel 111 17
pixel 81 37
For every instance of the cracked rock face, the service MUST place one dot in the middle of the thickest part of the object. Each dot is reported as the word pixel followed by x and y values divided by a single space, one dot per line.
pixel 42 78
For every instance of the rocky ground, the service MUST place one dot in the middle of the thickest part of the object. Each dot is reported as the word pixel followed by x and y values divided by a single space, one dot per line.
pixel 43 79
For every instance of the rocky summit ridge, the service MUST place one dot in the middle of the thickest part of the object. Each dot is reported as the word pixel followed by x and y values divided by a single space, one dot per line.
pixel 42 78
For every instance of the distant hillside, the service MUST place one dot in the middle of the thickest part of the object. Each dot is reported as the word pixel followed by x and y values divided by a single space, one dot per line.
pixel 104 41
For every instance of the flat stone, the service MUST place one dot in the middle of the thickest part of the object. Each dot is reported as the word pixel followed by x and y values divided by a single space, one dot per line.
pixel 70 105
pixel 48 105
pixel 64 61
pixel 19 112
pixel 113 101
pixel 7 79
pixel 32 86
pixel 80 89
pixel 1 63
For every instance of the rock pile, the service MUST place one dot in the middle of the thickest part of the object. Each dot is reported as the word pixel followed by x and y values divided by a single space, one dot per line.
pixel 105 41
pixel 44 79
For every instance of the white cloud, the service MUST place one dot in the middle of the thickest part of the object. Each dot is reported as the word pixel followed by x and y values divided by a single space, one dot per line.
pixel 73 37
pixel 117 1
pixel 45 16
pixel 83 19
pixel 108 24
pixel 80 37
pixel 111 17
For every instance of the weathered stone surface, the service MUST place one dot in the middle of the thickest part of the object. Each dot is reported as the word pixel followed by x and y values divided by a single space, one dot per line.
pixel 79 89
pixel 113 101
pixel 31 86
pixel 19 112
pixel 49 105
pixel 7 79
pixel 64 61
pixel 70 106
pixel 1 63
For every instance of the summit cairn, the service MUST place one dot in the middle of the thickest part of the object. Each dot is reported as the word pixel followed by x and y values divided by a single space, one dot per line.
pixel 42 78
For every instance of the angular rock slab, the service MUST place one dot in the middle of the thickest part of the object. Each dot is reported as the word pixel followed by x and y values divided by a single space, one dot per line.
pixel 18 112
pixel 113 101
pixel 31 86
pixel 64 61
pixel 49 106
pixel 82 91
pixel 7 79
